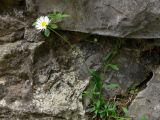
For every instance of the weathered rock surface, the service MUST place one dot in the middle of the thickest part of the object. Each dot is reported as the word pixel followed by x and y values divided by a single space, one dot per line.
pixel 121 18
pixel 37 81
pixel 131 71
pixel 43 80
pixel 147 102
pixel 11 29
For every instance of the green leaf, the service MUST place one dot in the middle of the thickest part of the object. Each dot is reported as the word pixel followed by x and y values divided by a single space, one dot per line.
pixel 53 26
pixel 34 24
pixel 85 93
pixel 96 78
pixel 108 56
pixel 132 92
pixel 144 118
pixel 98 103
pixel 62 15
pixel 47 32
pixel 113 66
pixel 112 86
pixel 90 110
pixel 55 16
pixel 125 110
pixel 96 93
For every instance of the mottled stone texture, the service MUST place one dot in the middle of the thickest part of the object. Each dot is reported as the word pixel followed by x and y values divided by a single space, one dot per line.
pixel 38 80
pixel 121 18
pixel 147 102
pixel 43 78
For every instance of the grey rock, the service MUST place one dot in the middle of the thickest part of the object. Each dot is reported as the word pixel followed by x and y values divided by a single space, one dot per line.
pixel 38 78
pixel 24 92
pixel 30 6
pixel 32 35
pixel 11 29
pixel 43 78
pixel 147 101
pixel 121 18
pixel 131 72
pixel 7 49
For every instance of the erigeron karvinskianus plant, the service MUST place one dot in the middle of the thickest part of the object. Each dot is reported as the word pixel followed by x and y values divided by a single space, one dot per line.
pixel 48 24
pixel 42 23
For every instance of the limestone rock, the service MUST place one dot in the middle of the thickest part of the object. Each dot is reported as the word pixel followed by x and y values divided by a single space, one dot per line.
pixel 121 18
pixel 35 78
pixel 59 95
pixel 131 71
pixel 147 101
pixel 11 29
pixel 42 79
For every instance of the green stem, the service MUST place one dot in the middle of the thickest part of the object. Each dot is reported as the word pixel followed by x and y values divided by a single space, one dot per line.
pixel 121 117
pixel 61 37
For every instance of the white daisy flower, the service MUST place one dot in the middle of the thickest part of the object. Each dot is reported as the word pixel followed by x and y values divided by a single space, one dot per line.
pixel 42 22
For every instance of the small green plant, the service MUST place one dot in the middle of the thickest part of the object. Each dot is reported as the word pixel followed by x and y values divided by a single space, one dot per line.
pixel 100 107
pixel 133 89
pixel 112 86
pixel 46 24
pixel 144 118
pixel 112 66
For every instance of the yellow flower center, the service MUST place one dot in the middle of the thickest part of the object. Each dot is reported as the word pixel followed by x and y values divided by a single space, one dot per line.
pixel 43 24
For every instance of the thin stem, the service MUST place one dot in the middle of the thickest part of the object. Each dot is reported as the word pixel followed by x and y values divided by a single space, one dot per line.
pixel 61 37
pixel 121 117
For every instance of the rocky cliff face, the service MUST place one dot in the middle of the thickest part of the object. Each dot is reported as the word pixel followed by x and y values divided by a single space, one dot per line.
pixel 44 79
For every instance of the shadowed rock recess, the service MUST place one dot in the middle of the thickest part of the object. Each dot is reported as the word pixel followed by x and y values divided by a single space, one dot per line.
pixel 43 79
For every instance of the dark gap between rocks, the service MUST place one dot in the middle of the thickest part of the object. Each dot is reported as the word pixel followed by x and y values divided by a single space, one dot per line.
pixel 8 6
pixel 143 85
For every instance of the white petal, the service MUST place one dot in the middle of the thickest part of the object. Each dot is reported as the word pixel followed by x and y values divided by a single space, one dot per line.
pixel 38 21
pixel 41 18
pixel 47 20
pixel 38 27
